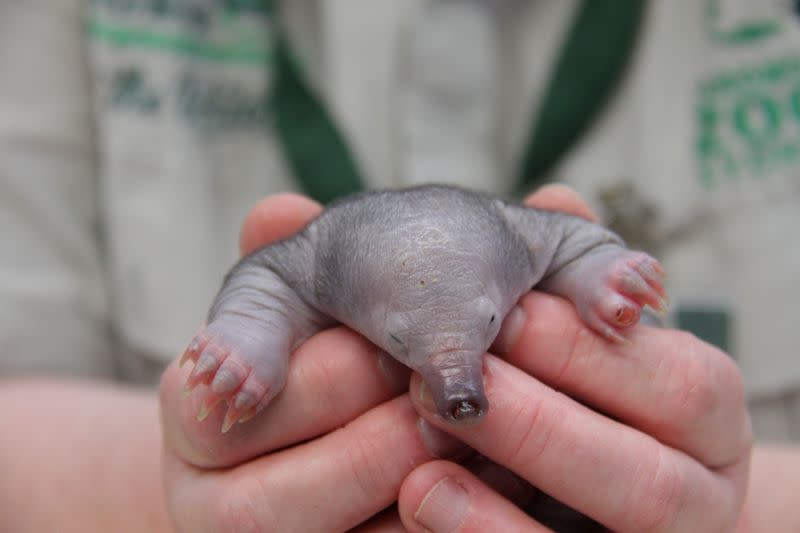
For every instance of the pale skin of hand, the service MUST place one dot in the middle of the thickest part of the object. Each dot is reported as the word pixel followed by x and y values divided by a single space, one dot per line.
pixel 86 457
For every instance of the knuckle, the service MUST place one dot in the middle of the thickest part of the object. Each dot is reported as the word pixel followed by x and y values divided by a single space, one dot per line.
pixel 698 388
pixel 709 391
pixel 568 359
pixel 731 379
pixel 735 402
pixel 326 381
pixel 239 505
pixel 530 431
pixel 329 380
pixel 583 344
pixel 369 473
pixel 659 496
pixel 700 392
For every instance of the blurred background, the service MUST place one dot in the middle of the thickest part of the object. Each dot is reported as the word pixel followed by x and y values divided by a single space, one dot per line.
pixel 136 134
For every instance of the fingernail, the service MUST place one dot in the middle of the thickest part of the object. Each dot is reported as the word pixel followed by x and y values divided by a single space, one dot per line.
pixel 438 443
pixel 510 331
pixel 444 507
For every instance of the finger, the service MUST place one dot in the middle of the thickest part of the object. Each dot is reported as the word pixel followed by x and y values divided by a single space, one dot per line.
pixel 558 197
pixel 702 385
pixel 502 480
pixel 332 483
pixel 442 497
pixel 276 217
pixel 387 521
pixel 683 392
pixel 535 503
pixel 333 377
pixel 610 472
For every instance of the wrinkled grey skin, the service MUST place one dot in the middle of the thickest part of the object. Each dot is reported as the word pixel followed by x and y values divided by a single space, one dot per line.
pixel 427 274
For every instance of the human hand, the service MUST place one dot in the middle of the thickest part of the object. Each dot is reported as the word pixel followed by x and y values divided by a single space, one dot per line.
pixel 334 379
pixel 657 437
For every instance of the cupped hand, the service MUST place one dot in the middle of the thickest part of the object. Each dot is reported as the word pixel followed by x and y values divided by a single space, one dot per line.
pixel 333 450
pixel 651 435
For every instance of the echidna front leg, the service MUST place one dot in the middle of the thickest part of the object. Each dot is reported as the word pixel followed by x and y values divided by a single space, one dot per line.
pixel 590 266
pixel 242 353
pixel 609 285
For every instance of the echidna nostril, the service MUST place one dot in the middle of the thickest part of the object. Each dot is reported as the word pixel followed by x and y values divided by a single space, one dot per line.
pixel 465 410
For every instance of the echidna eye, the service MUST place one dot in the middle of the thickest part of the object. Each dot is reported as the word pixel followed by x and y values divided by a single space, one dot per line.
pixel 491 320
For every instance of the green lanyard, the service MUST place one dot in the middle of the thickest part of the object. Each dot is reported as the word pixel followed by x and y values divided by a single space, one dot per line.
pixel 315 149
pixel 591 62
